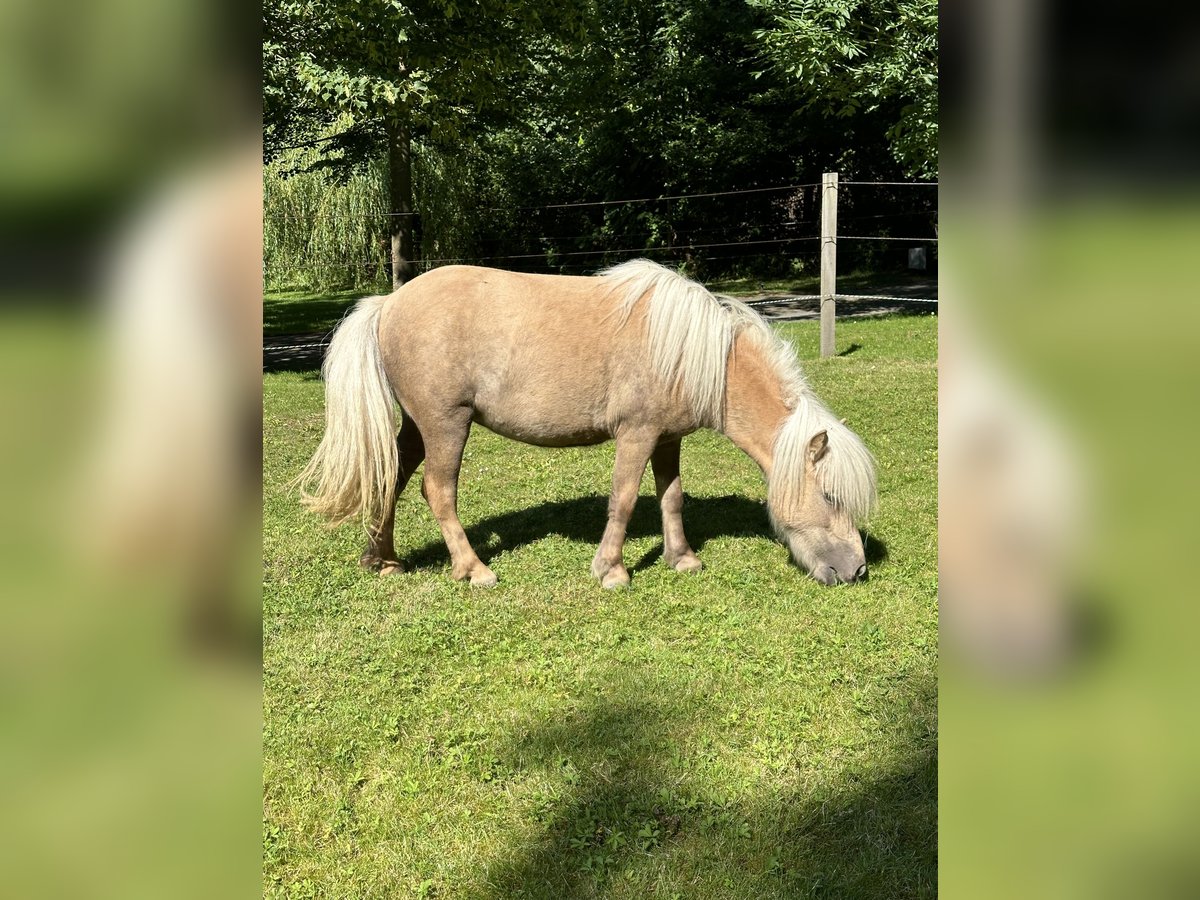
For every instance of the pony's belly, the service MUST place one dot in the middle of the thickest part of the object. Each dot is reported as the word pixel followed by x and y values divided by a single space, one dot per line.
pixel 541 430
pixel 543 434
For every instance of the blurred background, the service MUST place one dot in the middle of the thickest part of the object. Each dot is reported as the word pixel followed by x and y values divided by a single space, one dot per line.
pixel 1069 211
pixel 130 248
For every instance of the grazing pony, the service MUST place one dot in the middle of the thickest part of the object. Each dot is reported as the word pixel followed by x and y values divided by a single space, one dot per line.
pixel 637 353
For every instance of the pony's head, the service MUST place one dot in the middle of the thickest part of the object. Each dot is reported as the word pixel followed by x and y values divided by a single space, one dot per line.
pixel 821 485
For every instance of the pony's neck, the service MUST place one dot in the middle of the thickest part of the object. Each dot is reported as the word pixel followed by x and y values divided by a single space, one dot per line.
pixel 754 407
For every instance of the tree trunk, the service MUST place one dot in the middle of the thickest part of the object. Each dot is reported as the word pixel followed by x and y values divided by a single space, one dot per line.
pixel 401 218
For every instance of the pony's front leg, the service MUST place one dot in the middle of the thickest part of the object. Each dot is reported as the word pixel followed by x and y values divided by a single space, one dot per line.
pixel 633 452
pixel 676 552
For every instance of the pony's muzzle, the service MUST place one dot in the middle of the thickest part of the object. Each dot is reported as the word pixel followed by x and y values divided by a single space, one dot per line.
pixel 832 575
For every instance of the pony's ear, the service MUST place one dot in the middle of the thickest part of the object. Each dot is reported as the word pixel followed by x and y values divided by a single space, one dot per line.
pixel 818 445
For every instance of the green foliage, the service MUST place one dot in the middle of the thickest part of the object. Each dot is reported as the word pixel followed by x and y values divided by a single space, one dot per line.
pixel 514 108
pixel 362 81
pixel 321 234
pixel 743 732
pixel 446 198
pixel 339 72
pixel 860 56
pixel 326 229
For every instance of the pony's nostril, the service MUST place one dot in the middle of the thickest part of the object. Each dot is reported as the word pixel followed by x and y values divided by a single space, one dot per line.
pixel 861 573
pixel 831 575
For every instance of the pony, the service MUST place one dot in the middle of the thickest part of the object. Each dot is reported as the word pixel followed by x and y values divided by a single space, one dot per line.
pixel 637 353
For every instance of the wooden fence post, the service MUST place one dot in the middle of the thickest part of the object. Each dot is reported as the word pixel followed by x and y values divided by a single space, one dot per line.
pixel 829 192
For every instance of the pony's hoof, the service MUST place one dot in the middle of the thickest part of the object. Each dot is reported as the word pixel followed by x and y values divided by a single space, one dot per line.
pixel 487 578
pixel 689 563
pixel 373 563
pixel 617 577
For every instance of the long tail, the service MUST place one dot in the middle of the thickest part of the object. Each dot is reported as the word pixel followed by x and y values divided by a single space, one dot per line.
pixel 353 472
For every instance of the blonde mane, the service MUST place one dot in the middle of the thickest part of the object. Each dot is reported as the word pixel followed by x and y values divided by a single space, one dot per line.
pixel 690 333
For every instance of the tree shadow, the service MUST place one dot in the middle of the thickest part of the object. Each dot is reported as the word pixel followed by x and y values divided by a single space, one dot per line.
pixel 617 806
pixel 582 520
pixel 290 316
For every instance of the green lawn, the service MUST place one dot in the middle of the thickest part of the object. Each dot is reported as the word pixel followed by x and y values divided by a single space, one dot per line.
pixel 296 312
pixel 740 733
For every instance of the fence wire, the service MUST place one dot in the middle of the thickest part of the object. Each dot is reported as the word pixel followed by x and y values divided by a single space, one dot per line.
pixel 378 266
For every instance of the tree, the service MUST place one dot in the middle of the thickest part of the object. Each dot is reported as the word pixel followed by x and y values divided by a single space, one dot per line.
pixel 516 116
pixel 859 56
pixel 663 100
pixel 362 78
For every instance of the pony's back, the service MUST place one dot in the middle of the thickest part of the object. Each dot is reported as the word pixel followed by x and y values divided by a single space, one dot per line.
pixel 546 359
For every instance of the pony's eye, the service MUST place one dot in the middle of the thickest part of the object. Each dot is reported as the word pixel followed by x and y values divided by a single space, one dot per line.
pixel 830 499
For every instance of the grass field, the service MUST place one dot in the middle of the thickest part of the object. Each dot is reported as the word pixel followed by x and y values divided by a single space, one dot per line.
pixel 740 733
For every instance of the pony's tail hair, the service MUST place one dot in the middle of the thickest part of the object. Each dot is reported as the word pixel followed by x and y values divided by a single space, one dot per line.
pixel 353 472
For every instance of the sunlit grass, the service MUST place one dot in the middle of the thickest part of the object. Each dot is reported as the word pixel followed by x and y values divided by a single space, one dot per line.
pixel 744 732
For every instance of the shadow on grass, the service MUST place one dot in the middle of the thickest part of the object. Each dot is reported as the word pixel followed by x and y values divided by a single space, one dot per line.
pixel 583 520
pixel 307 364
pixel 619 808
pixel 306 314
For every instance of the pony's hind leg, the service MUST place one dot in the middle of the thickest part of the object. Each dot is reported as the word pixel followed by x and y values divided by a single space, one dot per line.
pixel 380 555
pixel 633 452
pixel 444 449
pixel 676 552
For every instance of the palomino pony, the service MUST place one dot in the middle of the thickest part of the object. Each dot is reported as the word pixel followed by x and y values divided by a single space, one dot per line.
pixel 637 353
